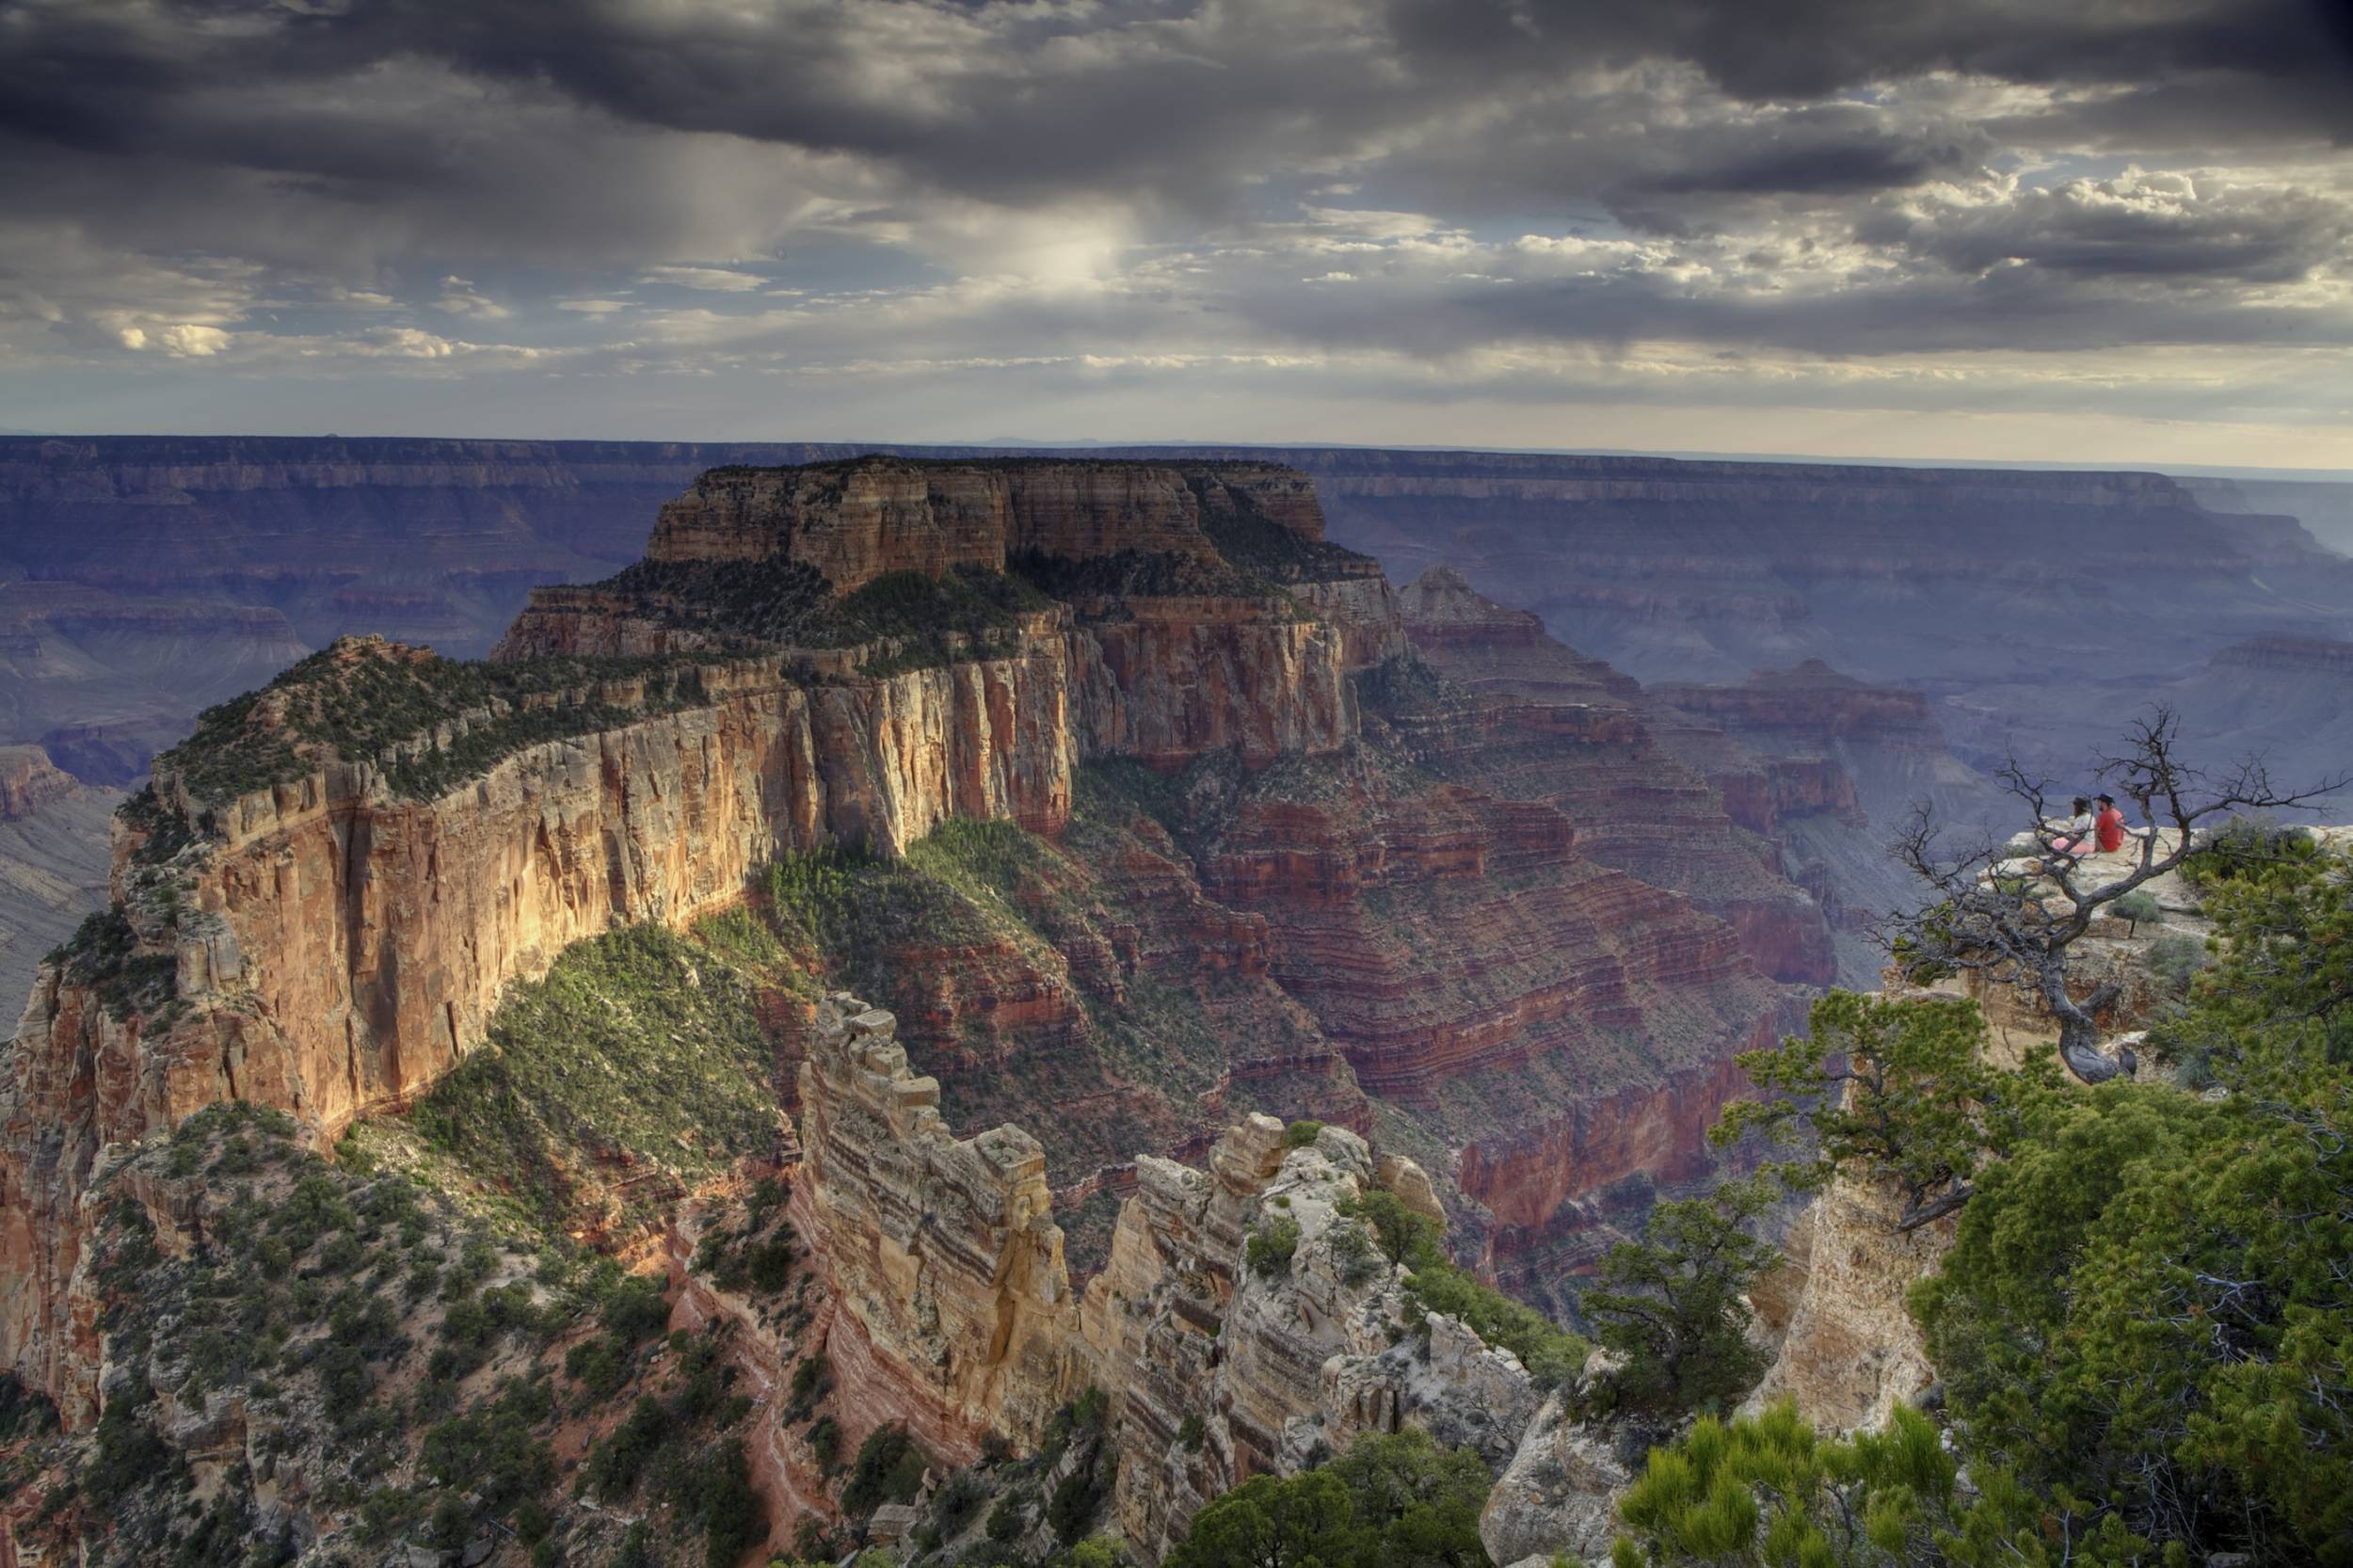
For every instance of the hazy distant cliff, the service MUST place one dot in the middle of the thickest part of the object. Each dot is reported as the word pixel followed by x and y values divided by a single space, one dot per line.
pixel 144 577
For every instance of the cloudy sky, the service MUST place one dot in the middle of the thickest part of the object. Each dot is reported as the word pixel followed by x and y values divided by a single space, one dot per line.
pixel 2115 230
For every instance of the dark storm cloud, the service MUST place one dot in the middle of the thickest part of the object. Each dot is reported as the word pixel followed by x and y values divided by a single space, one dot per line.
pixel 1131 179
pixel 1031 101
pixel 1800 49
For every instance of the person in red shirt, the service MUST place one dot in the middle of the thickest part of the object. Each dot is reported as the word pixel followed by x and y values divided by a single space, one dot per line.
pixel 2108 827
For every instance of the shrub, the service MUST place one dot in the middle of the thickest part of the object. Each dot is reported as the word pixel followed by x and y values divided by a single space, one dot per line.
pixel 450 1524
pixel 824 1441
pixel 2139 906
pixel 1388 1500
pixel 635 1310
pixel 1079 1497
pixel 616 1464
pixel 959 1500
pixel 1892 1087
pixel 1877 1498
pixel 1009 1518
pixel 2177 959
pixel 600 1366
pixel 889 1469
pixel 2243 848
pixel 1270 1246
pixel 805 1375
pixel 769 1264
pixel 1359 1259
pixel 1675 1302
pixel 1299 1134
pixel 732 1516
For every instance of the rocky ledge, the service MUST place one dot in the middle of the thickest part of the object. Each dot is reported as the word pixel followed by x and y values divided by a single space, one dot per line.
pixel 1222 1358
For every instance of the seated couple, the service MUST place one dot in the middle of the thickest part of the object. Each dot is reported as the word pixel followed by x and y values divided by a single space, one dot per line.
pixel 2086 831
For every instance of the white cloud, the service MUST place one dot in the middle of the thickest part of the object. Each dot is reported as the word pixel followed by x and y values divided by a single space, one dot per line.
pixel 714 279
pixel 459 298
pixel 189 340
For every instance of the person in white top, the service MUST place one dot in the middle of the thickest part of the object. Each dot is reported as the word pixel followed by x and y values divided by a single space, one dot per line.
pixel 2074 839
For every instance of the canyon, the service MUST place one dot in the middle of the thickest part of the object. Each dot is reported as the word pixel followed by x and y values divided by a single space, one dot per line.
pixel 1236 880
pixel 144 578
pixel 123 555
pixel 319 900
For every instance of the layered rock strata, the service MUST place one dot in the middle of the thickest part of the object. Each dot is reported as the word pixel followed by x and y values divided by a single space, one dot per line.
pixel 956 1316
pixel 330 942
pixel 1543 722
pixel 1294 890
pixel 952 1312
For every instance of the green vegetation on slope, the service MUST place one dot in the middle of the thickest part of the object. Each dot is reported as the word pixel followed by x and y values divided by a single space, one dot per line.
pixel 1675 1305
pixel 1254 542
pixel 1386 1502
pixel 2144 1327
pixel 1768 1490
pixel 395 1363
pixel 358 700
pixel 782 603
pixel 103 955
pixel 1437 1284
pixel 640 1053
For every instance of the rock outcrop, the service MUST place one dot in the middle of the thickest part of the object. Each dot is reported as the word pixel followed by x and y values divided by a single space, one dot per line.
pixel 952 1313
pixel 1849 1352
pixel 1220 1371
pixel 28 781
pixel 53 860
pixel 1557 1497
pixel 955 1315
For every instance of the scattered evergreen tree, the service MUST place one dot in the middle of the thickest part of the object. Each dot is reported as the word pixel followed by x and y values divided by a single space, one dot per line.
pixel 1765 1490
pixel 1396 1502
pixel 1671 1303
pixel 1914 1101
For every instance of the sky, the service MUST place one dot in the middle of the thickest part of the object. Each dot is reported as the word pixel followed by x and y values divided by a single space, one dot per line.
pixel 2082 230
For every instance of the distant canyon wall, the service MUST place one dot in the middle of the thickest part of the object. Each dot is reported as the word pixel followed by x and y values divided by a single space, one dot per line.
pixel 142 578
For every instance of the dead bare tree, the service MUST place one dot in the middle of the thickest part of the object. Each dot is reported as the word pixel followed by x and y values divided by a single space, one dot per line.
pixel 2015 928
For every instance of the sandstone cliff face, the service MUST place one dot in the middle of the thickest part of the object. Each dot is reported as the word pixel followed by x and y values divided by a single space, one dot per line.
pixel 952 1313
pixel 335 949
pixel 853 522
pixel 1849 1352
pixel 1173 678
pixel 333 945
pixel 956 1316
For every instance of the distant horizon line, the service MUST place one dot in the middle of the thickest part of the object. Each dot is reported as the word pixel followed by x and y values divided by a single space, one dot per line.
pixel 1019 443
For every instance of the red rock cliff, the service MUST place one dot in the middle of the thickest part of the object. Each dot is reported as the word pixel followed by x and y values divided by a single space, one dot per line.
pixel 330 943
pixel 854 522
